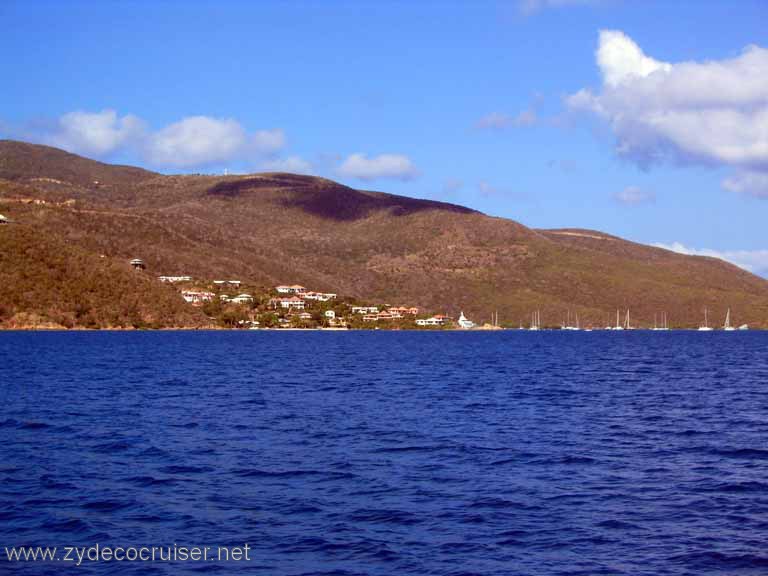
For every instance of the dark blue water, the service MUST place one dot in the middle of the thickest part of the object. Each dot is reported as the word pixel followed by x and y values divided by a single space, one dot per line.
pixel 390 453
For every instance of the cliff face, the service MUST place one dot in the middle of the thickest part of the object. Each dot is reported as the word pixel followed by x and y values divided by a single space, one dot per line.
pixel 283 228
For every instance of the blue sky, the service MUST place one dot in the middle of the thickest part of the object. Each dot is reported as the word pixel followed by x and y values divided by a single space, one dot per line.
pixel 644 119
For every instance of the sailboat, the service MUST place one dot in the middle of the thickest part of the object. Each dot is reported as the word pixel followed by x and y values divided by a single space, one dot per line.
pixel 627 325
pixel 727 326
pixel 568 326
pixel 618 324
pixel 535 320
pixel 705 327
pixel 664 325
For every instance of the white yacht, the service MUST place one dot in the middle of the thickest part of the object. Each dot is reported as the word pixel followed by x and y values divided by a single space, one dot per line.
pixel 465 323
pixel 705 327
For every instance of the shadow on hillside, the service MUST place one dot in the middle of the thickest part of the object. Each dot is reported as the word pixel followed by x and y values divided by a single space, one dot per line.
pixel 330 200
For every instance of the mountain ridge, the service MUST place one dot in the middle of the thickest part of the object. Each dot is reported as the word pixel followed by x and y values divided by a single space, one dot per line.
pixel 275 228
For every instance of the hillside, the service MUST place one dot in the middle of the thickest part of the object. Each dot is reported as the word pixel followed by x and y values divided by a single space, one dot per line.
pixel 282 228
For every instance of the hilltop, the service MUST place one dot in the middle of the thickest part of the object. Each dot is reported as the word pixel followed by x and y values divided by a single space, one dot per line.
pixel 276 228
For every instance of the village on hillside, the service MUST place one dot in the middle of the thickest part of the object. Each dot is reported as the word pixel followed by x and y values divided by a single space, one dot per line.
pixel 237 304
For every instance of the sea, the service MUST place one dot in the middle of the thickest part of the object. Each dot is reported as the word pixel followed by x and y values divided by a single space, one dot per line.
pixel 385 453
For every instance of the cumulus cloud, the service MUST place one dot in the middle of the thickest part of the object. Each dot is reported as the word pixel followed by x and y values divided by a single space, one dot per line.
pixel 713 112
pixel 393 166
pixel 755 261
pixel 293 164
pixel 500 120
pixel 193 141
pixel 196 141
pixel 632 195
pixel 95 133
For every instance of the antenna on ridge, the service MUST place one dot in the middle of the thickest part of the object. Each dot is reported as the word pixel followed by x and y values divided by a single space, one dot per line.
pixel 226 171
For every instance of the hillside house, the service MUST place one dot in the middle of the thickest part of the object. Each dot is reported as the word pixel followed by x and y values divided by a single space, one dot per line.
pixel 3 219
pixel 330 314
pixel 365 310
pixel 196 297
pixel 234 283
pixel 138 264
pixel 174 279
pixel 295 289
pixel 403 311
pixel 381 316
pixel 292 303
pixel 437 320
pixel 318 296
pixel 242 299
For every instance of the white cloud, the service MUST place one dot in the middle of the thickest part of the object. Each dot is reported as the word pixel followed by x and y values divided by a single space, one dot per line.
pixel 713 112
pixel 267 141
pixel 395 166
pixel 747 182
pixel 500 120
pixel 204 140
pixel 293 164
pixel 95 133
pixel 620 59
pixel 196 141
pixel 632 195
pixel 192 141
pixel 755 261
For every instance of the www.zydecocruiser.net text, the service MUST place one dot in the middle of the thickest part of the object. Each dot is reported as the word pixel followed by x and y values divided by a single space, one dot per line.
pixel 79 555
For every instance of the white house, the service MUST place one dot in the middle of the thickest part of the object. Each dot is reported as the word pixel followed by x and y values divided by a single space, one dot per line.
pixel 242 299
pixel 365 310
pixel 438 320
pixel 3 219
pixel 292 303
pixel 197 297
pixel 173 279
pixel 330 314
pixel 294 289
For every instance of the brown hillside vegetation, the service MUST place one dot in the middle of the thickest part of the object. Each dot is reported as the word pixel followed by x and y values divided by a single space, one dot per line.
pixel 45 283
pixel 283 228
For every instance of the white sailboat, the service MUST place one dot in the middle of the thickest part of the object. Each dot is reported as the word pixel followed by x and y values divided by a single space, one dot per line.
pixel 705 327
pixel 727 326
pixel 618 324
pixel 664 325
pixel 535 320
pixel 627 325
pixel 568 326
